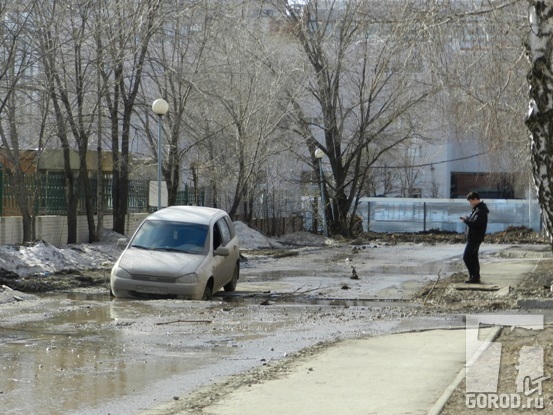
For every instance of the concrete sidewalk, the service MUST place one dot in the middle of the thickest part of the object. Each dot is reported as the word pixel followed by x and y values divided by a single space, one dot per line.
pixel 393 374
pixel 405 373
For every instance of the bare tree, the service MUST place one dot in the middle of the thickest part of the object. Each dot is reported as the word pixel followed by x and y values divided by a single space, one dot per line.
pixel 359 90
pixel 129 27
pixel 16 68
pixel 479 60
pixel 238 110
pixel 67 53
pixel 177 67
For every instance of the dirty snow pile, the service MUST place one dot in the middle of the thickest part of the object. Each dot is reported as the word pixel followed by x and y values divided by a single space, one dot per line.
pixel 251 239
pixel 42 258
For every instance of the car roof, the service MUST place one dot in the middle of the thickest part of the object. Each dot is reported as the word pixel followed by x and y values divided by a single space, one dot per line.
pixel 194 214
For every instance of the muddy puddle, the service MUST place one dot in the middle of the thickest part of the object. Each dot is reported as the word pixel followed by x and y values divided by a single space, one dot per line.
pixel 394 283
pixel 79 358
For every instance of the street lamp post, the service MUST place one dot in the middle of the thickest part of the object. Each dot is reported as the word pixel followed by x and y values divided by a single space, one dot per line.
pixel 319 154
pixel 160 108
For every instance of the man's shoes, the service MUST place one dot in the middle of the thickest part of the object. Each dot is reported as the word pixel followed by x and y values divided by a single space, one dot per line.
pixel 473 280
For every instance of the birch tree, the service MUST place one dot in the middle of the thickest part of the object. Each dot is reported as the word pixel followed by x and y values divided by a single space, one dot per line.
pixel 539 120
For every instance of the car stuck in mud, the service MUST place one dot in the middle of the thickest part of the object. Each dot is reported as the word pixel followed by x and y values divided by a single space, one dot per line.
pixel 185 252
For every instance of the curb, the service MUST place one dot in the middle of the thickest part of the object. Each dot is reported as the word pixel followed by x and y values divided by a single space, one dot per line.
pixel 438 407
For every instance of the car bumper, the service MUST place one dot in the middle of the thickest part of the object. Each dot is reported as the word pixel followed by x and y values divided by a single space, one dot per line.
pixel 124 287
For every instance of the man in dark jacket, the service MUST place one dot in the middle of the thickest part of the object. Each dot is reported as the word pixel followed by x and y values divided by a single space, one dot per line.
pixel 476 223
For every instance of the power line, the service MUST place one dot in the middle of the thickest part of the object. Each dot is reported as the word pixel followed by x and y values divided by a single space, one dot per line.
pixel 431 163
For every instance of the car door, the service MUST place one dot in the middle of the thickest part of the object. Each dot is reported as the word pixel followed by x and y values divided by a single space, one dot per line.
pixel 223 265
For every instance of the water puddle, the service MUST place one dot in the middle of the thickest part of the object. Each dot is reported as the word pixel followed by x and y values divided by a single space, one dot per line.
pixel 75 360
pixel 83 296
pixel 384 283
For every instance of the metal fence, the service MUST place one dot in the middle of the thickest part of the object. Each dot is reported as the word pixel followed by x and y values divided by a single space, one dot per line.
pixel 280 214
pixel 46 195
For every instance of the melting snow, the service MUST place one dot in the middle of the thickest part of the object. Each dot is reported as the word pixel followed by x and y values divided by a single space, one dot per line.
pixel 42 258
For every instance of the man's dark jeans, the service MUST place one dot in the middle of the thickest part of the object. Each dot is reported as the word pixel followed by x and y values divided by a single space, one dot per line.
pixel 470 257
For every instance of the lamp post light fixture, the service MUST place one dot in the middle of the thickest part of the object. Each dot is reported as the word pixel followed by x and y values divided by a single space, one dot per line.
pixel 160 108
pixel 319 154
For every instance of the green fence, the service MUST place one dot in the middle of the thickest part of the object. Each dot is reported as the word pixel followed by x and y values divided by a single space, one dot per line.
pixel 188 196
pixel 46 195
pixel 52 200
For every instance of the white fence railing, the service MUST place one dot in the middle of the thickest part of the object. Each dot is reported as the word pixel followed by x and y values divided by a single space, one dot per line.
pixel 380 214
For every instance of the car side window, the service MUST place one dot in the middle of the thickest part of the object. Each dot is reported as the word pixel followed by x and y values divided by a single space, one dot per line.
pixel 224 231
pixel 216 237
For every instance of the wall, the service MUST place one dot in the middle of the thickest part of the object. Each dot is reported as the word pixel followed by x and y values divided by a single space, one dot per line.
pixel 10 229
pixel 53 229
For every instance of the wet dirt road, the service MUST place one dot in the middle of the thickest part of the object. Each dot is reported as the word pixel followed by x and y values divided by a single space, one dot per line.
pixel 88 354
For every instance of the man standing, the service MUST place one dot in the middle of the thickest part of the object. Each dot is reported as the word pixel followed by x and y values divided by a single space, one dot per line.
pixel 476 223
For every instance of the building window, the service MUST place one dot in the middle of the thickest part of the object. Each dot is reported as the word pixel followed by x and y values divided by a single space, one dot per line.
pixel 488 185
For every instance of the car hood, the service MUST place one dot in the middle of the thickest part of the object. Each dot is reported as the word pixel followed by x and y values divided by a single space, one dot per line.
pixel 159 263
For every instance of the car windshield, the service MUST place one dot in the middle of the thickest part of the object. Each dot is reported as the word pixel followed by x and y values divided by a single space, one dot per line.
pixel 171 236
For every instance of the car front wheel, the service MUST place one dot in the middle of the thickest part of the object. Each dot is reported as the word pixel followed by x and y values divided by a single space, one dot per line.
pixel 208 293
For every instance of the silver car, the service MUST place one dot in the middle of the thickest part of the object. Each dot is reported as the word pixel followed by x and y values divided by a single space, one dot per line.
pixel 181 251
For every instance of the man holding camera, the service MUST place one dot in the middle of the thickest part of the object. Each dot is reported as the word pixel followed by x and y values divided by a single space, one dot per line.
pixel 475 232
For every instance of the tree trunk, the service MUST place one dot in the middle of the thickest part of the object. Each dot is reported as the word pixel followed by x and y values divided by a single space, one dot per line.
pixel 539 120
pixel 71 194
pixel 17 177
pixel 119 214
pixel 88 197
pixel 172 175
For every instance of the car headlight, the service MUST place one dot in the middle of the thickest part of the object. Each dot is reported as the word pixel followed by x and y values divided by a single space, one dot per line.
pixel 122 273
pixel 191 278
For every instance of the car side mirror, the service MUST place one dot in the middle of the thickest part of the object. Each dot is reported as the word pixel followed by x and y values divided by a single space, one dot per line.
pixel 122 242
pixel 221 251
